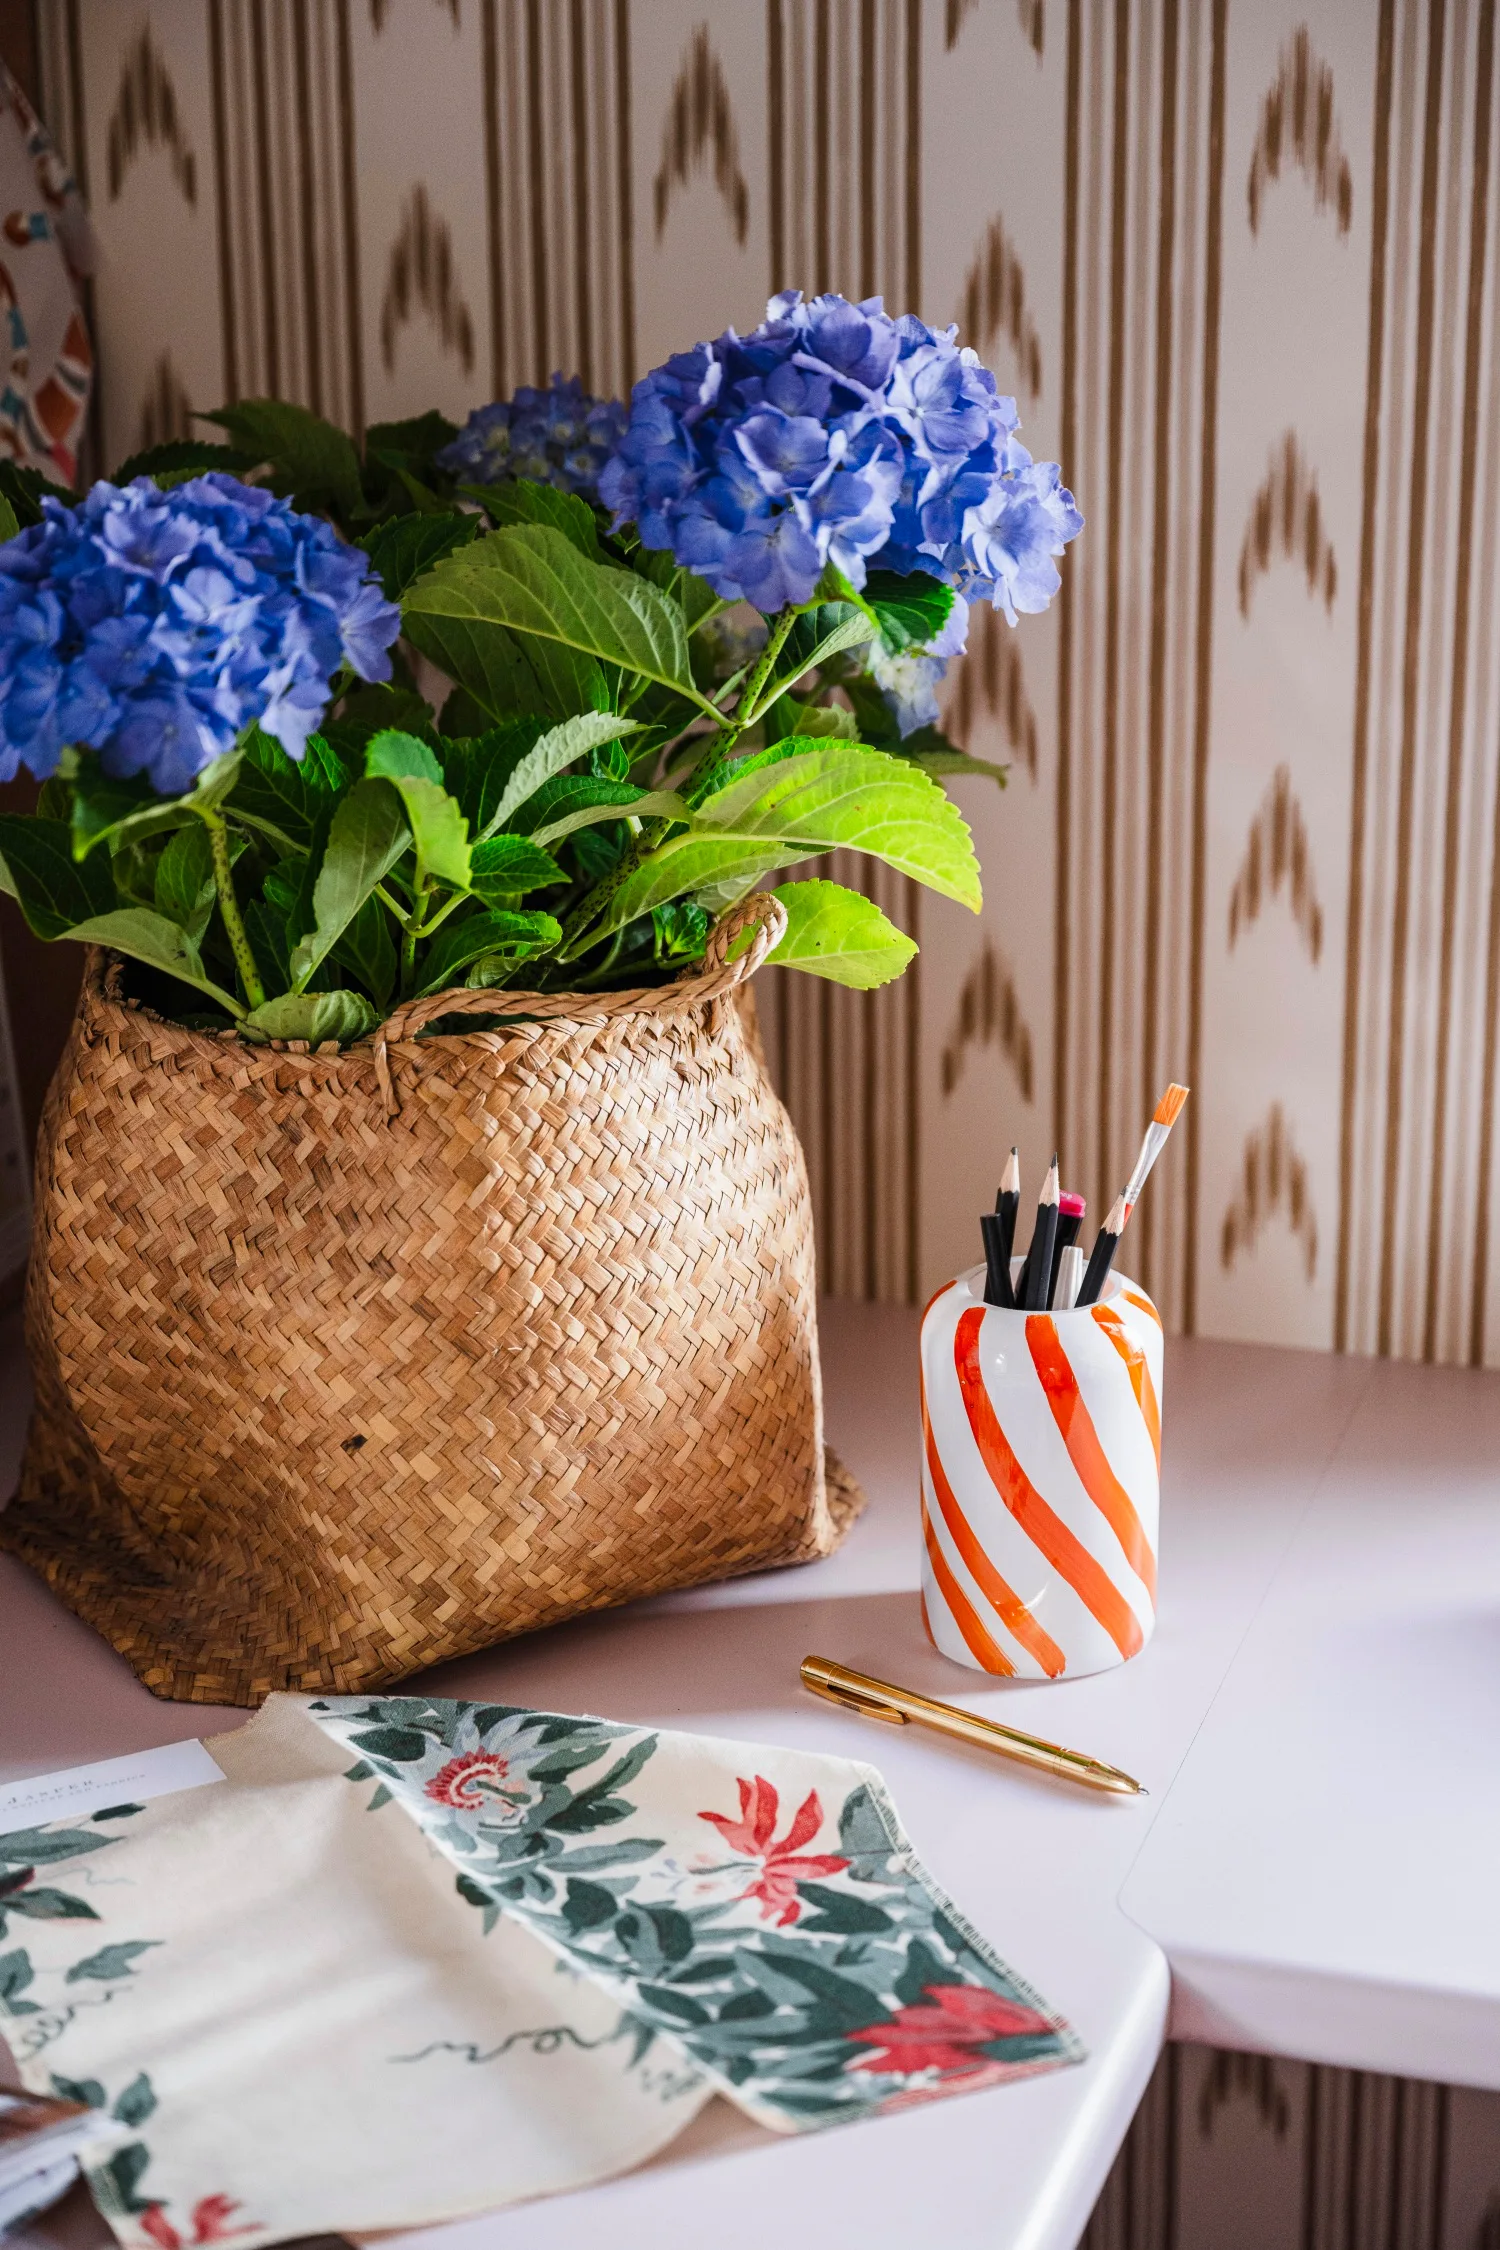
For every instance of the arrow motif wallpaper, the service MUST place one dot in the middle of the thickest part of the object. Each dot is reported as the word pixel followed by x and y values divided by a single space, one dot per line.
pixel 1238 265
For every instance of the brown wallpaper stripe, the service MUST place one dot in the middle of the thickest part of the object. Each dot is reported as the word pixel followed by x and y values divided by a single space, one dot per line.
pixel 1458 705
pixel 1160 553
pixel 1374 399
pixel 1411 668
pixel 1203 653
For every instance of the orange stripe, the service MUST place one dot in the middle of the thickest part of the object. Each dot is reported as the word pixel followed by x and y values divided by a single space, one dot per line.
pixel 1067 1556
pixel 1003 1599
pixel 932 1300
pixel 1140 1374
pixel 986 1655
pixel 1055 1373
pixel 1141 1304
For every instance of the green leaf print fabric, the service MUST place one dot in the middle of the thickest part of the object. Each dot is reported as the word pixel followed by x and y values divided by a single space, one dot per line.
pixel 416 1959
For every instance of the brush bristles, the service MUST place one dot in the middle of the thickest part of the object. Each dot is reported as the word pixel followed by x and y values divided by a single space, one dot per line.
pixel 1169 1108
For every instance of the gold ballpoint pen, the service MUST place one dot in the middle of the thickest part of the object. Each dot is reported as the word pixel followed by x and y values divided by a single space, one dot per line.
pixel 898 1707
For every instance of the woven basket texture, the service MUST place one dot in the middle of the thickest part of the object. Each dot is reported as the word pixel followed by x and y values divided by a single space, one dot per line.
pixel 347 1363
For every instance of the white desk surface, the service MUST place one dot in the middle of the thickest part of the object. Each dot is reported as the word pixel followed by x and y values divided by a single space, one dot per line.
pixel 1295 1678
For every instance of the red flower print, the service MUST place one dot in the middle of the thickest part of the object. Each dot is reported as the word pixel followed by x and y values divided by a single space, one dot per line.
pixel 950 2035
pixel 781 1866
pixel 466 1781
pixel 208 2223
pixel 209 2217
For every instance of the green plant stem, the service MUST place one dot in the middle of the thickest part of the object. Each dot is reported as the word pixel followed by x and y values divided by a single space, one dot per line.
pixel 747 710
pixel 411 931
pixel 229 907
pixel 442 914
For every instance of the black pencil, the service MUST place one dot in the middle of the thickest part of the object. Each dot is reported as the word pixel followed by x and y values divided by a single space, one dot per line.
pixel 1007 1204
pixel 1070 1210
pixel 1036 1274
pixel 997 1289
pixel 1101 1257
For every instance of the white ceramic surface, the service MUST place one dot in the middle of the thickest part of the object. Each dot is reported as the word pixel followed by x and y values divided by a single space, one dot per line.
pixel 1040 1480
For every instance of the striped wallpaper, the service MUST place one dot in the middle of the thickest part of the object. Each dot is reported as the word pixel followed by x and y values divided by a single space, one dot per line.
pixel 1238 265
pixel 1237 261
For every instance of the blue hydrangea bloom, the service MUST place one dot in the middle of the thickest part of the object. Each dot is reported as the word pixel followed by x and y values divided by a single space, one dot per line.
pixel 153 627
pixel 834 433
pixel 559 436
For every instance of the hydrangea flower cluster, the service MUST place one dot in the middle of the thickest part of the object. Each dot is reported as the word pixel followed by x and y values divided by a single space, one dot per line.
pixel 153 627
pixel 834 433
pixel 559 436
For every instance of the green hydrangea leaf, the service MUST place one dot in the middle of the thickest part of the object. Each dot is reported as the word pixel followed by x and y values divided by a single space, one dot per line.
pixel 519 500
pixel 511 864
pixel 693 595
pixel 818 634
pixel 9 522
pixel 184 886
pixel 26 489
pixel 839 934
pixel 183 457
pixel 280 798
pixel 531 579
pixel 797 802
pixel 313 463
pixel 151 938
pixel 406 547
pixel 493 668
pixel 55 891
pixel 951 761
pixel 476 767
pixel 417 439
pixel 822 722
pixel 314 1016
pixel 576 801
pixel 438 827
pixel 366 836
pixel 117 812
pixel 495 937
pixel 679 932
pixel 559 747
pixel 368 949
pixel 912 610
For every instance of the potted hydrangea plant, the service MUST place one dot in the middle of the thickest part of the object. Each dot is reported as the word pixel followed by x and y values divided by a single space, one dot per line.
pixel 417 801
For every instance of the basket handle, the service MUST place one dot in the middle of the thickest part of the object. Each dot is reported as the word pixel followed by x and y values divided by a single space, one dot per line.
pixel 762 913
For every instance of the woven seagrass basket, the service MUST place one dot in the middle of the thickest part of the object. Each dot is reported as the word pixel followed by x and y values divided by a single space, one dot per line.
pixel 348 1362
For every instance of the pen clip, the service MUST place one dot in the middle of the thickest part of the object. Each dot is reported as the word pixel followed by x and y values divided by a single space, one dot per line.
pixel 853 1700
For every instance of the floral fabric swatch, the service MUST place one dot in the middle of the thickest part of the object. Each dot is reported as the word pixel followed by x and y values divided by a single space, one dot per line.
pixel 554 1941
pixel 779 1931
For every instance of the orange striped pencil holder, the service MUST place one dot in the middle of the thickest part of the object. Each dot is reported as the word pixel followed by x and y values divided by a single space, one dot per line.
pixel 1041 1452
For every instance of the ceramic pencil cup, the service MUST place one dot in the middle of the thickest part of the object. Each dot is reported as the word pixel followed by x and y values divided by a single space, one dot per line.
pixel 1041 1450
